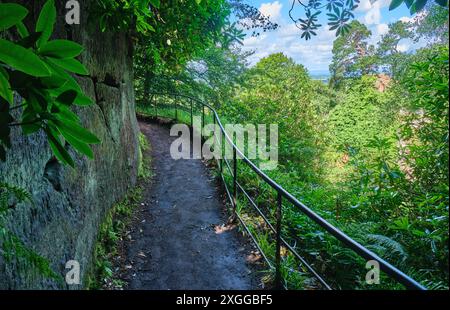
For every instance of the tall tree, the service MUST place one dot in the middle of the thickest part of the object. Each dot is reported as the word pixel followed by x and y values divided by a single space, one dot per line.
pixel 352 54
pixel 182 30
pixel 390 56
pixel 279 91
pixel 433 25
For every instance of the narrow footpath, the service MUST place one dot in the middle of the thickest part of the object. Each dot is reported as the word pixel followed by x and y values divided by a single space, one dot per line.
pixel 176 245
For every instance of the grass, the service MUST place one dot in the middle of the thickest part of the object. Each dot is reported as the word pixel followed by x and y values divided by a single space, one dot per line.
pixel 144 171
pixel 114 227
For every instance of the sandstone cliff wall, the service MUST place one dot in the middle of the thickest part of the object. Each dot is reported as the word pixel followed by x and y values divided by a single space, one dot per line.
pixel 71 203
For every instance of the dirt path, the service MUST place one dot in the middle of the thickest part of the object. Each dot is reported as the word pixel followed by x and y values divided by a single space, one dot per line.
pixel 175 245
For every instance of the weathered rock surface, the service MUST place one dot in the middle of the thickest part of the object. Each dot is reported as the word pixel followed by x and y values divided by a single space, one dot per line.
pixel 70 203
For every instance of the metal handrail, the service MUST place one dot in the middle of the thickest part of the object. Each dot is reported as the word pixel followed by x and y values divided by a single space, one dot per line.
pixel 386 267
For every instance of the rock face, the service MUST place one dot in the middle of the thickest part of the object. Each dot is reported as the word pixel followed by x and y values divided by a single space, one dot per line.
pixel 71 203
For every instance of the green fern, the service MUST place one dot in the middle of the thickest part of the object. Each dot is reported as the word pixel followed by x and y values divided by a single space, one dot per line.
pixel 11 247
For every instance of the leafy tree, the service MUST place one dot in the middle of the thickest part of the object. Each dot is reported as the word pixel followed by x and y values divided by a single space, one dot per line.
pixel 433 26
pixel 277 90
pixel 359 118
pixel 134 16
pixel 217 72
pixel 391 59
pixel 352 55
pixel 167 50
pixel 415 6
pixel 427 123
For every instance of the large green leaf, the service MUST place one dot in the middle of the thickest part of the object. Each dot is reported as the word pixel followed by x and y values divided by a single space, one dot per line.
pixel 22 59
pixel 4 72
pixel 29 125
pixel 61 49
pixel 395 4
pixel 78 145
pixel 11 14
pixel 419 5
pixel 36 102
pixel 22 30
pixel 5 89
pixel 46 21
pixel 53 82
pixel 58 71
pixel 75 130
pixel 67 97
pixel 409 3
pixel 58 149
pixel 64 112
pixel 71 65
pixel 83 100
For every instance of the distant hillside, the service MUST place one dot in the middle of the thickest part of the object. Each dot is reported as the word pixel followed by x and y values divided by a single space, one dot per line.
pixel 324 77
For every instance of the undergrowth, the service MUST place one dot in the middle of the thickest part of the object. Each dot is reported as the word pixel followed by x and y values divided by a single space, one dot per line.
pixel 115 225
pixel 14 251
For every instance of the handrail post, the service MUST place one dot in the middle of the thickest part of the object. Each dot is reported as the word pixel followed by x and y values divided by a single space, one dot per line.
pixel 221 142
pixel 215 137
pixel 156 108
pixel 152 99
pixel 278 242
pixel 234 178
pixel 203 120
pixel 192 115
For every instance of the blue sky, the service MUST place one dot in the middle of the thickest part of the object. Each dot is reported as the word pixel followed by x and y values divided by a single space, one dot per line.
pixel 315 54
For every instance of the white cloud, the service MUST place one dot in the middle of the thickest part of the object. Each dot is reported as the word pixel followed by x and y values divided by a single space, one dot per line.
pixel 366 5
pixel 372 8
pixel 288 31
pixel 403 47
pixel 315 54
pixel 253 42
pixel 373 15
pixel 271 9
pixel 381 29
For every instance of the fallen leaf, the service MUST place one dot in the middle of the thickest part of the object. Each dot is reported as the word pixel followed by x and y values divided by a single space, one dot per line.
pixel 253 257
pixel 223 228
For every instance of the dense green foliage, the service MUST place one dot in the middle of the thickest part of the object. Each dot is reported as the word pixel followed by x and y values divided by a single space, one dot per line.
pixel 369 152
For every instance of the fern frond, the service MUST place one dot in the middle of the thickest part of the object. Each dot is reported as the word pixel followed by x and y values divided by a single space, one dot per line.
pixel 13 248
pixel 387 247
